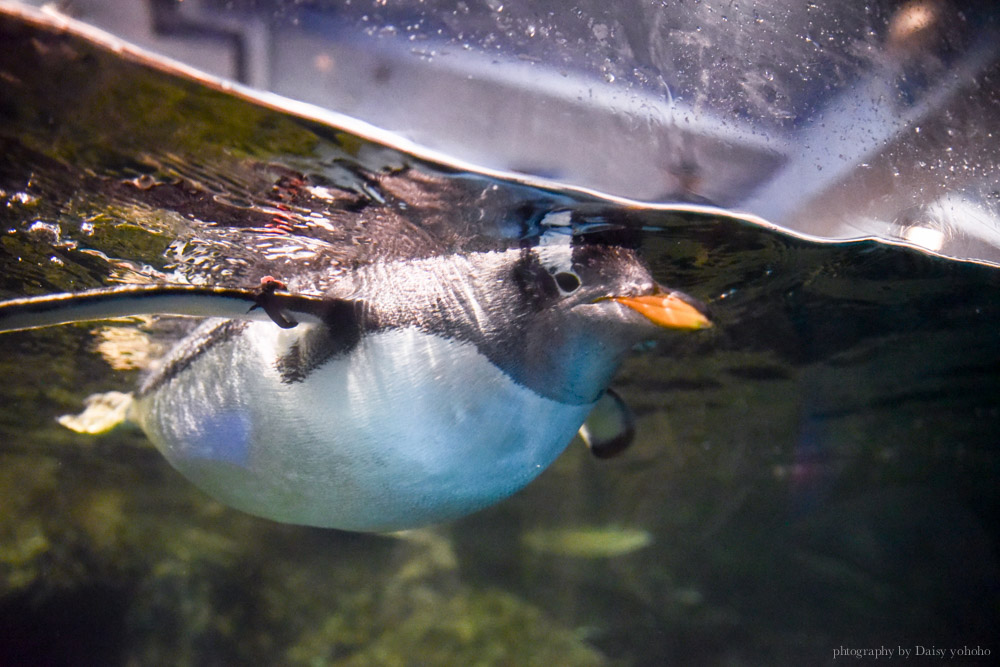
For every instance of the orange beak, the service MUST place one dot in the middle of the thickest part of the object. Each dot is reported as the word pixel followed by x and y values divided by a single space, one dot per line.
pixel 666 309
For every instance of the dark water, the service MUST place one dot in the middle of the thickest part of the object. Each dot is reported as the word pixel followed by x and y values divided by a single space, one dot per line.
pixel 817 472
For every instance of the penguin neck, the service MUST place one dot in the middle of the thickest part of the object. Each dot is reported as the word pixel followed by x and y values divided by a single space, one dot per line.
pixel 568 364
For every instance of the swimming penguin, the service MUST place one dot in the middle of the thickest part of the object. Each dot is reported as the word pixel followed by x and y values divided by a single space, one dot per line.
pixel 412 392
pixel 443 335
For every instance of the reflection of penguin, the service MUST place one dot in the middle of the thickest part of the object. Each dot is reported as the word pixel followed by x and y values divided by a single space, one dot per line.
pixel 422 390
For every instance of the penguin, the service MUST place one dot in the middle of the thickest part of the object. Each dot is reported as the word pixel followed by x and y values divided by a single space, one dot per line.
pixel 413 392
pixel 434 334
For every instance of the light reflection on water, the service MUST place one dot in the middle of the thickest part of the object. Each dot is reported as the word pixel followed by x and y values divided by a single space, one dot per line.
pixel 819 470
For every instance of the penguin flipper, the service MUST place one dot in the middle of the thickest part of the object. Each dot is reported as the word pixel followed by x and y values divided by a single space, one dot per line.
pixel 130 300
pixel 610 427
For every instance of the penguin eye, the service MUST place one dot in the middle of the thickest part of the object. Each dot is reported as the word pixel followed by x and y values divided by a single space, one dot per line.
pixel 567 281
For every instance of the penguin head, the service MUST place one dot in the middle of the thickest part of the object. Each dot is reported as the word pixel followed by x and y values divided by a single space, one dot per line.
pixel 608 284
pixel 583 307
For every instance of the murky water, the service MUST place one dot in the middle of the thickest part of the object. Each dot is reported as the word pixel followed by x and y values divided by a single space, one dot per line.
pixel 817 471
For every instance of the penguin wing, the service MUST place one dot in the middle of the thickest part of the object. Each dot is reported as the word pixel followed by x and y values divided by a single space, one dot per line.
pixel 284 308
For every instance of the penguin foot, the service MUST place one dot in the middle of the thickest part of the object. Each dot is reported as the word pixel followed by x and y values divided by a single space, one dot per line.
pixel 267 300
pixel 610 426
pixel 102 413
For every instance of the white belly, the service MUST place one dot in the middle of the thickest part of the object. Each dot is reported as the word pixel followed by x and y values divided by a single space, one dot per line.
pixel 413 430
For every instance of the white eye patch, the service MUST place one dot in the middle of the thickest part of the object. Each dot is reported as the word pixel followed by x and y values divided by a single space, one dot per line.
pixel 555 246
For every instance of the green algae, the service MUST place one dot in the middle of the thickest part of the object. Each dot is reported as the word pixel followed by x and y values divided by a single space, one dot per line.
pixel 122 109
pixel 479 628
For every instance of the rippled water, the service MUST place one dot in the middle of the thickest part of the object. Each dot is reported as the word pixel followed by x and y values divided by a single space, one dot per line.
pixel 818 471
